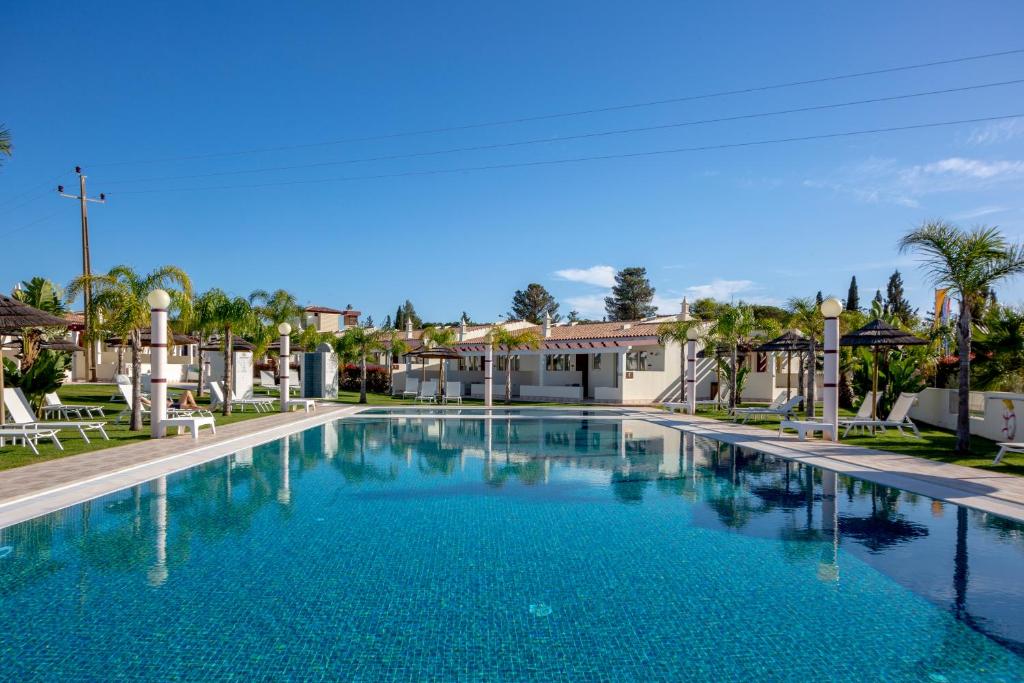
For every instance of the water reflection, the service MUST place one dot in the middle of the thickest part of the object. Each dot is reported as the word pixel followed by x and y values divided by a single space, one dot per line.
pixel 816 519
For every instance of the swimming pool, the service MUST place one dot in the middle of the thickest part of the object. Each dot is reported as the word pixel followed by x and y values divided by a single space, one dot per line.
pixel 380 548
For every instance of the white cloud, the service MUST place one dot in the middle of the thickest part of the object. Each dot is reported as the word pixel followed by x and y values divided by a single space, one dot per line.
pixel 722 290
pixel 996 131
pixel 979 212
pixel 886 181
pixel 599 276
pixel 589 306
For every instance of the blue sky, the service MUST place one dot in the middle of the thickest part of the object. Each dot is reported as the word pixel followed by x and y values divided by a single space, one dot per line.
pixel 171 85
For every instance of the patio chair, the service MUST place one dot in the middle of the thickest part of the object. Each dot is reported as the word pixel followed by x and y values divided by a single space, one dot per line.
pixel 53 405
pixel 146 405
pixel 898 418
pixel 258 404
pixel 412 386
pixel 783 410
pixel 120 380
pixel 268 382
pixel 1008 447
pixel 22 415
pixel 428 392
pixel 453 392
pixel 29 436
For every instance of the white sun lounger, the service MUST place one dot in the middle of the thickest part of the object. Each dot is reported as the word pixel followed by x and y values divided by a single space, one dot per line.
pixel 428 392
pixel 412 386
pixel 29 436
pixel 53 405
pixel 21 414
pixel 1008 447
pixel 258 404
pixel 268 382
pixel 453 392
pixel 783 410
pixel 898 418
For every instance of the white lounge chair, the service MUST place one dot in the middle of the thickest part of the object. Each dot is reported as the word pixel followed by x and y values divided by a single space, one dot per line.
pixel 22 415
pixel 1008 447
pixel 784 410
pixel 126 391
pixel 120 380
pixel 453 392
pixel 898 418
pixel 258 404
pixel 412 387
pixel 268 382
pixel 428 392
pixel 53 405
pixel 29 436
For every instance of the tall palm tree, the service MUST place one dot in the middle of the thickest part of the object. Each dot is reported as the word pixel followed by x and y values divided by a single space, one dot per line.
pixel 360 343
pixel 676 331
pixel 511 341
pixel 121 294
pixel 434 337
pixel 970 264
pixel 202 323
pixel 805 315
pixel 275 307
pixel 232 315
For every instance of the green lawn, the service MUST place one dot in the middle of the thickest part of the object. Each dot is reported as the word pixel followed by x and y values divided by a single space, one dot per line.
pixel 94 394
pixel 935 444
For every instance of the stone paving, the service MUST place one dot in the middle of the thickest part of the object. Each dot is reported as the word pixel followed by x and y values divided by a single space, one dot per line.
pixel 1001 494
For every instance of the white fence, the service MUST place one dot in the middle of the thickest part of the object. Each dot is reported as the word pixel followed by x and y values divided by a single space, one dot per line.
pixel 993 413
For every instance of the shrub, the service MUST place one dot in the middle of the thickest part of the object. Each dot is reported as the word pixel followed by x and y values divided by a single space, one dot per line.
pixel 376 378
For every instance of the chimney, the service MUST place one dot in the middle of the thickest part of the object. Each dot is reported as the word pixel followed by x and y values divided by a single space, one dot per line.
pixel 685 310
pixel 626 326
pixel 547 324
pixel 462 330
pixel 408 329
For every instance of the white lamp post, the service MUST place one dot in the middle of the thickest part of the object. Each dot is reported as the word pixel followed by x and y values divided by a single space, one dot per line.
pixel 283 369
pixel 830 309
pixel 691 370
pixel 158 301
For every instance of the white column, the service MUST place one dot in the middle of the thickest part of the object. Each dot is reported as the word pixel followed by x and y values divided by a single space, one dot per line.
pixel 158 300
pixel 157 573
pixel 831 308
pixel 621 372
pixel 284 493
pixel 283 365
pixel 691 376
pixel 541 367
pixel 489 376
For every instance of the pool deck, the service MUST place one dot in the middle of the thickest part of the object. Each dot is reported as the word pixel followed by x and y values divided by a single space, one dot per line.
pixel 1000 494
pixel 33 490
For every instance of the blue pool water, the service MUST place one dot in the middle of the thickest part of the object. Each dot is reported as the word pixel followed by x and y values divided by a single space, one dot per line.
pixel 465 549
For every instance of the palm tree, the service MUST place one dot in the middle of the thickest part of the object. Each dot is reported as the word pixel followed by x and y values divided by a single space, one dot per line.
pixel 46 296
pixel 676 331
pixel 6 148
pixel 512 340
pixel 202 323
pixel 434 337
pixel 121 295
pixel 395 347
pixel 805 315
pixel 970 264
pixel 231 315
pixel 734 325
pixel 279 306
pixel 359 343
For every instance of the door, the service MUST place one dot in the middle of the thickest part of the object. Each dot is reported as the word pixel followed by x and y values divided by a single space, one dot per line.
pixel 583 365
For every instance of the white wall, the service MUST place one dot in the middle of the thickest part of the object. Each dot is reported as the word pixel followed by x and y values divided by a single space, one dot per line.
pixel 1002 412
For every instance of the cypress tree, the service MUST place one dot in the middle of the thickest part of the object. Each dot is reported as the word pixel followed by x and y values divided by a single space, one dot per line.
pixel 819 299
pixel 853 296
pixel 896 303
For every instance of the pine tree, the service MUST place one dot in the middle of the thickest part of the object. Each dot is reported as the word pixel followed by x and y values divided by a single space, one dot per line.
pixel 464 318
pixel 896 304
pixel 819 299
pixel 532 303
pixel 631 296
pixel 399 319
pixel 387 323
pixel 853 296
pixel 368 323
pixel 574 316
pixel 409 313
pixel 878 298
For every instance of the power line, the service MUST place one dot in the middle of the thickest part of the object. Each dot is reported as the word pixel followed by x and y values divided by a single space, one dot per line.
pixel 29 225
pixel 564 138
pixel 603 157
pixel 35 189
pixel 581 112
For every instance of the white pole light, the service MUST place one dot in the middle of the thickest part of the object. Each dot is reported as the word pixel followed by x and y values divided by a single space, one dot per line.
pixel 283 365
pixel 831 309
pixel 158 301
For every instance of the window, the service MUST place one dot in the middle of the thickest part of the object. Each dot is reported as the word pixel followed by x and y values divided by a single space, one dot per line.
pixel 558 362
pixel 597 361
pixel 636 360
pixel 471 363
pixel 503 363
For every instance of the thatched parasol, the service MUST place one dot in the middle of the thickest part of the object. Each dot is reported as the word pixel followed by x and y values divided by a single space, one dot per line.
pixel 441 352
pixel 789 341
pixel 877 334
pixel 16 316
pixel 147 338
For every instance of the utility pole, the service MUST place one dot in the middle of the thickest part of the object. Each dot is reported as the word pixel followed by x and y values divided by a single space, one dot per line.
pixel 83 200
